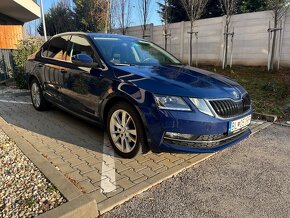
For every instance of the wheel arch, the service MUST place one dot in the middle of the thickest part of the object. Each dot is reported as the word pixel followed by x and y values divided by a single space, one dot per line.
pixel 117 99
pixel 31 78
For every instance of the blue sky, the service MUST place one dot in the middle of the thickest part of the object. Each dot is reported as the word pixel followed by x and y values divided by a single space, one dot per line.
pixel 154 16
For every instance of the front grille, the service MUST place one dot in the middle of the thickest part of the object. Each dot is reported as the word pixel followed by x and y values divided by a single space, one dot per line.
pixel 229 108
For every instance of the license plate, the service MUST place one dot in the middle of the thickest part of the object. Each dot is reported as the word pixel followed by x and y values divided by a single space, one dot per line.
pixel 239 124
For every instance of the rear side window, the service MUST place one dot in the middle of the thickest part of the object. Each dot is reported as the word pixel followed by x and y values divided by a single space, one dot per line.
pixel 79 45
pixel 56 48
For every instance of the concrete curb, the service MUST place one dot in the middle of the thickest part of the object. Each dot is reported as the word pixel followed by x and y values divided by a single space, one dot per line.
pixel 267 117
pixel 260 127
pixel 282 124
pixel 83 206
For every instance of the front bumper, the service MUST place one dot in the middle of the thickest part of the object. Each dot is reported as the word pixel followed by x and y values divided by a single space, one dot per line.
pixel 204 146
pixel 211 133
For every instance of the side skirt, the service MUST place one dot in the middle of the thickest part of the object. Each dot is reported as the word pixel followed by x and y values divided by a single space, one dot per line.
pixel 95 122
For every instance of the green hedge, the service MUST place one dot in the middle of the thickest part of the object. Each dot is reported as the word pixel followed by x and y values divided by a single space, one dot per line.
pixel 25 48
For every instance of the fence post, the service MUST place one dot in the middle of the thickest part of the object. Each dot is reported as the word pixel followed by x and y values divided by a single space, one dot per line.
pixel 181 40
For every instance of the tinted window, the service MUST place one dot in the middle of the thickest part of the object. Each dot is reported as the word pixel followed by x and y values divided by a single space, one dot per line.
pixel 56 48
pixel 79 45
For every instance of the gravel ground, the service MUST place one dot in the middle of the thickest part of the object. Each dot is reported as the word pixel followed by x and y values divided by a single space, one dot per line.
pixel 251 179
pixel 24 191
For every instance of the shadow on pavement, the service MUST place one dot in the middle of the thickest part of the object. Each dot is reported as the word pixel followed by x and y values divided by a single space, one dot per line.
pixel 55 124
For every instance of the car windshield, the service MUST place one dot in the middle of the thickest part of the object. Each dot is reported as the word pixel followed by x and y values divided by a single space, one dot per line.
pixel 128 51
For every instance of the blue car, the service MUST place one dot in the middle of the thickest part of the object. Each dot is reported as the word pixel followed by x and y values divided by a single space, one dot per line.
pixel 142 95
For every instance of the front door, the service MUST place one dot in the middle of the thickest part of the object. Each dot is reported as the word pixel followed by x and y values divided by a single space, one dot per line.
pixel 82 86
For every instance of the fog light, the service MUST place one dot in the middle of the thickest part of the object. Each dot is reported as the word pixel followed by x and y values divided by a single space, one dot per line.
pixel 174 135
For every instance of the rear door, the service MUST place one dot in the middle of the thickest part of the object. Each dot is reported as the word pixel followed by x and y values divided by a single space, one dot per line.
pixel 54 67
pixel 83 86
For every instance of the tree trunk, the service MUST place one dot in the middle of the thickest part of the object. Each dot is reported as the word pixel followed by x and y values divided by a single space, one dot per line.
pixel 144 18
pixel 165 39
pixel 272 60
pixel 107 16
pixel 123 18
pixel 273 51
pixel 190 44
pixel 226 46
pixel 165 42
pixel 144 29
pixel 165 24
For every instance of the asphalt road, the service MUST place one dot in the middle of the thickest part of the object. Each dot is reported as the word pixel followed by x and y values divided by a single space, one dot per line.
pixel 251 179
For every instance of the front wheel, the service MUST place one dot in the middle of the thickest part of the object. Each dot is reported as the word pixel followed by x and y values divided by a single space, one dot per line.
pixel 125 130
pixel 38 101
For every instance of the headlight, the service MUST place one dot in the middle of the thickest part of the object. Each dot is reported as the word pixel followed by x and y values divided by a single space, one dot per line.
pixel 201 106
pixel 171 103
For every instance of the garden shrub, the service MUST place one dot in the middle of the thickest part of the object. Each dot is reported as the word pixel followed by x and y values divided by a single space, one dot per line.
pixel 25 48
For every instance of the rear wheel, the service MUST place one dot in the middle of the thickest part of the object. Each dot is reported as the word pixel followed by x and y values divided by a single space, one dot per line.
pixel 125 130
pixel 38 101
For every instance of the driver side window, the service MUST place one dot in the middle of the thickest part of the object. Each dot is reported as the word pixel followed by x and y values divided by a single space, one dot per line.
pixel 79 45
pixel 55 48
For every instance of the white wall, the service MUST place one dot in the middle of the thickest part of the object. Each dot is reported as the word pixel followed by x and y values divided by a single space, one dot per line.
pixel 285 56
pixel 250 40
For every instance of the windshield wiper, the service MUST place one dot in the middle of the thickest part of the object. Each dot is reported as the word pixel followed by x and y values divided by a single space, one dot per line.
pixel 173 63
pixel 124 64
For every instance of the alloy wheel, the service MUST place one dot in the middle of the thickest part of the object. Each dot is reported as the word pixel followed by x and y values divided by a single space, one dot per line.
pixel 35 94
pixel 123 131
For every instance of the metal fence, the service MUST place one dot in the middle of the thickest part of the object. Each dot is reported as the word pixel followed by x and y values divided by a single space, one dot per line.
pixel 6 64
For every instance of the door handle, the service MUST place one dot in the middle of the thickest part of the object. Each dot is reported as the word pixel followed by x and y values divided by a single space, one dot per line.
pixel 63 71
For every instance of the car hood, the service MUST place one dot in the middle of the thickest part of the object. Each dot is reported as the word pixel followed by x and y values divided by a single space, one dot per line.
pixel 180 81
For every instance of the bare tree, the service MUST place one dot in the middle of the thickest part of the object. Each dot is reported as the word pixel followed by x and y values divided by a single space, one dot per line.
pixel 194 10
pixel 165 18
pixel 228 7
pixel 122 12
pixel 279 9
pixel 144 9
pixel 113 15
pixel 107 4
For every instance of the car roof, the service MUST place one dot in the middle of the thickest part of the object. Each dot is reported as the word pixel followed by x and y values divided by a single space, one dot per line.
pixel 103 35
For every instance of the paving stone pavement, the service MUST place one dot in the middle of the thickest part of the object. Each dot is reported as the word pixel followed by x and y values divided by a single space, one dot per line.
pixel 76 147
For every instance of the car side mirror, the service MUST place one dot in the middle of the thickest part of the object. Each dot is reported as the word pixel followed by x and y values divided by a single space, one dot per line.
pixel 83 60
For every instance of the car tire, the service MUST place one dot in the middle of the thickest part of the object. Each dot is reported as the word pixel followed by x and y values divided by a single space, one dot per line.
pixel 36 93
pixel 125 130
